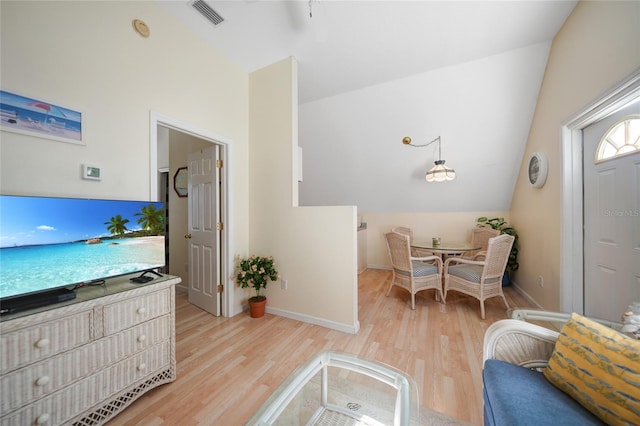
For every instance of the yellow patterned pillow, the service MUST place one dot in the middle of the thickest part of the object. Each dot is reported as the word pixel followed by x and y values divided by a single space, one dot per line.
pixel 599 368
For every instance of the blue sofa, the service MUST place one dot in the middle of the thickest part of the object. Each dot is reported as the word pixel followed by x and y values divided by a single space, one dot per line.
pixel 515 395
pixel 515 391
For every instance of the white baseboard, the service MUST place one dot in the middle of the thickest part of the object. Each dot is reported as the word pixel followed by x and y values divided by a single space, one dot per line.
pixel 525 295
pixel 345 328
pixel 385 267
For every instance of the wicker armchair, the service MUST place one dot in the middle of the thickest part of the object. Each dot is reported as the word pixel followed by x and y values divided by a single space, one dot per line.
pixel 523 396
pixel 519 342
pixel 413 274
pixel 480 236
pixel 480 279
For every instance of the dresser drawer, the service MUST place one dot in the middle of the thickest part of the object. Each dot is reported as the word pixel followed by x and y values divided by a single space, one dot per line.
pixel 62 406
pixel 121 315
pixel 35 381
pixel 30 344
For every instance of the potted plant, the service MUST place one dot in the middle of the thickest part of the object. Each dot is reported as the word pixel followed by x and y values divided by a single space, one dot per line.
pixel 500 224
pixel 255 272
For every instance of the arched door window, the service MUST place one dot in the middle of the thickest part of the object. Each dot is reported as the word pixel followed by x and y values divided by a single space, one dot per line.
pixel 621 139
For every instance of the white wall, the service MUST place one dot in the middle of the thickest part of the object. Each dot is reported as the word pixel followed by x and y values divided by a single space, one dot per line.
pixel 97 64
pixel 353 152
pixel 163 148
pixel 596 48
pixel 315 248
pixel 86 55
pixel 482 110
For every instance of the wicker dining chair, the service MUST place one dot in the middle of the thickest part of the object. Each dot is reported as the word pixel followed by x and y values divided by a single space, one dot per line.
pixel 480 279
pixel 413 274
pixel 404 230
pixel 415 252
pixel 480 236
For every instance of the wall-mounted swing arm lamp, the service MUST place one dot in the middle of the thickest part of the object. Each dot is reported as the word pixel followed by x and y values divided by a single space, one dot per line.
pixel 439 172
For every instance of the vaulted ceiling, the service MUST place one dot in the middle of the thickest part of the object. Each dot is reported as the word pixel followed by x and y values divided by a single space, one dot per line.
pixel 346 45
pixel 371 72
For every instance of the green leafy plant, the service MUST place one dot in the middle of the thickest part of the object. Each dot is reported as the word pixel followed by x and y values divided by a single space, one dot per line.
pixel 500 224
pixel 255 272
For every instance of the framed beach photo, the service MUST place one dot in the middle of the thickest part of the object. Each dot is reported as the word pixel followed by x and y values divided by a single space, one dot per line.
pixel 38 118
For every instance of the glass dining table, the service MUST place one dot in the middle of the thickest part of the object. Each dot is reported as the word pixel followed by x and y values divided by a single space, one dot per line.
pixel 445 248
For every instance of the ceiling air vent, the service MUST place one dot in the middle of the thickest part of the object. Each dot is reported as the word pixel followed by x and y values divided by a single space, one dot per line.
pixel 206 11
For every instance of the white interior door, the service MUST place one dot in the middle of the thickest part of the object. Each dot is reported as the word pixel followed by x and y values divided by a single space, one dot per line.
pixel 204 235
pixel 611 225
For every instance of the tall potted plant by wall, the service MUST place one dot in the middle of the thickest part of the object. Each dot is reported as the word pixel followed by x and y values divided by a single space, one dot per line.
pixel 500 224
pixel 256 271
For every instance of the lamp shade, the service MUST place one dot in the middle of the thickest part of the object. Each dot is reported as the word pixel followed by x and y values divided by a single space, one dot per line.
pixel 440 173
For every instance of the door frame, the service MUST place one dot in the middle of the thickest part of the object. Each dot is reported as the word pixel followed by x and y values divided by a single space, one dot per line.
pixel 226 150
pixel 572 253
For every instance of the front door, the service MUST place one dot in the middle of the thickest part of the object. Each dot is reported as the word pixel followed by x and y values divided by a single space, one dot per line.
pixel 611 219
pixel 204 232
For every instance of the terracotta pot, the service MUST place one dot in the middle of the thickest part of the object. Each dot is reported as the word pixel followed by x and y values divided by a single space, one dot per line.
pixel 256 306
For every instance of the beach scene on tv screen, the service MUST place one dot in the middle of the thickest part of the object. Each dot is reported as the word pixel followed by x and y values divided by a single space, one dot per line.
pixel 54 242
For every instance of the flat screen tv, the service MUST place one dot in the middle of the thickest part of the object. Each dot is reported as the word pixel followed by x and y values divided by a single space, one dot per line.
pixel 51 246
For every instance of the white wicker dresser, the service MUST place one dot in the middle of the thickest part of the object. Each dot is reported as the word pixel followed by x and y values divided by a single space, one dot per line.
pixel 83 361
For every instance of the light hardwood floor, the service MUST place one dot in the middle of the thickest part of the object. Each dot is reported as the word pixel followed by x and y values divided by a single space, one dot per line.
pixel 228 366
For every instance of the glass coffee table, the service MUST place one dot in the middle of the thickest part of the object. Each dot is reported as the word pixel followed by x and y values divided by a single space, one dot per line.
pixel 342 389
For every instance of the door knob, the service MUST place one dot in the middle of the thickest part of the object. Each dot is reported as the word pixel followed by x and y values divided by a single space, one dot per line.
pixel 188 236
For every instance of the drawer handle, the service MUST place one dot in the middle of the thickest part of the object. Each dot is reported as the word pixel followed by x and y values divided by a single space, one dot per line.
pixel 142 338
pixel 42 343
pixel 142 367
pixel 141 310
pixel 42 381
pixel 43 418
